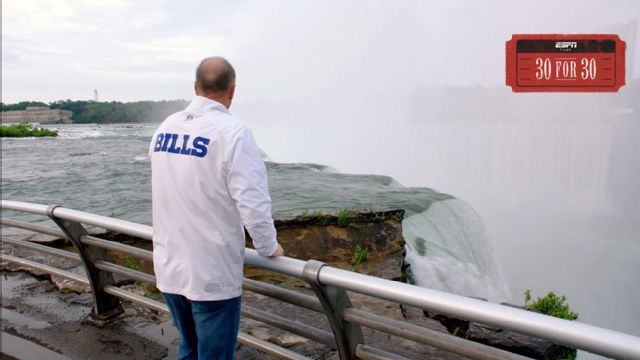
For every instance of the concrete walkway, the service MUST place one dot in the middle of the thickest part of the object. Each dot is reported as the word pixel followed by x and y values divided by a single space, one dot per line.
pixel 38 322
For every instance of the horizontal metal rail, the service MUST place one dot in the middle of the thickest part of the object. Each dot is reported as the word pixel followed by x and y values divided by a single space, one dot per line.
pixel 115 246
pixel 106 222
pixel 281 264
pixel 43 248
pixel 570 333
pixel 126 227
pixel 321 336
pixel 25 207
pixel 124 271
pixel 292 297
pixel 428 337
pixel 136 299
pixel 32 227
pixel 46 268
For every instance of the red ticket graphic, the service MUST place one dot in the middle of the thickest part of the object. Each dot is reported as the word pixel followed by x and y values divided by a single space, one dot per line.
pixel 565 63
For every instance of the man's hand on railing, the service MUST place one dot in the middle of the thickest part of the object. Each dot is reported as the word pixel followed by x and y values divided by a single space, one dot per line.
pixel 279 252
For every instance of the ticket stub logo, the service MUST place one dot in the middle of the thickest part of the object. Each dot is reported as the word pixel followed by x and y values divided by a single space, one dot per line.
pixel 565 63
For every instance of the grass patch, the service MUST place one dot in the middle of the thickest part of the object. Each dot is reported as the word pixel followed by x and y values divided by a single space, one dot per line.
pixel 343 217
pixel 132 264
pixel 25 130
pixel 360 255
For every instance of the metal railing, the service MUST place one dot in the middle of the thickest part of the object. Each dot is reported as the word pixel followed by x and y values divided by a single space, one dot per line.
pixel 330 286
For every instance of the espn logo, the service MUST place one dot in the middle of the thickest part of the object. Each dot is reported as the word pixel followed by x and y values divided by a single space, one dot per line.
pixel 566 45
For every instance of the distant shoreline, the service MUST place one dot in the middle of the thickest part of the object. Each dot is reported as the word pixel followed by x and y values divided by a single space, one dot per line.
pixel 114 112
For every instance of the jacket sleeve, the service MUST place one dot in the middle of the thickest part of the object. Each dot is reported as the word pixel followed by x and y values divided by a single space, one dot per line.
pixel 248 186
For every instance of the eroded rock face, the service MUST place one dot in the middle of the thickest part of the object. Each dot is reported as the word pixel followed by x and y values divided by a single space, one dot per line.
pixel 329 237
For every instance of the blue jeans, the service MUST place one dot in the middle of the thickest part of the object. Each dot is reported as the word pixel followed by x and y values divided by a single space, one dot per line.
pixel 208 329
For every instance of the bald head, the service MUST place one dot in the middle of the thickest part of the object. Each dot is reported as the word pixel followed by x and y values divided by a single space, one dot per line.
pixel 216 80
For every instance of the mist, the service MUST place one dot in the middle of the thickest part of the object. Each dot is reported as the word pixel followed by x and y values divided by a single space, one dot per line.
pixel 415 90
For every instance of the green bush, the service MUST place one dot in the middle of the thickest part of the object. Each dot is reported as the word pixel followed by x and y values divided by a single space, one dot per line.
pixel 360 255
pixel 25 130
pixel 551 305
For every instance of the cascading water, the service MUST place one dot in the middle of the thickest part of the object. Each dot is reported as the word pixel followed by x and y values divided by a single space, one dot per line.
pixel 447 246
pixel 448 249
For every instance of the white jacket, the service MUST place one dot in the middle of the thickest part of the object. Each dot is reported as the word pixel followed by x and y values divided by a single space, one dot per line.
pixel 208 183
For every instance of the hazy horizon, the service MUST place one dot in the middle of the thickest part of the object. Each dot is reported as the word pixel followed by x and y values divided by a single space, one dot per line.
pixel 145 50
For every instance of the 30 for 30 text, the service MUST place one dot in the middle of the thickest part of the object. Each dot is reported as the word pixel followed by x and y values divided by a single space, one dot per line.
pixel 565 69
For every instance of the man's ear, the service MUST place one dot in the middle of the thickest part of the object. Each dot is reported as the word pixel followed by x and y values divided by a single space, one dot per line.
pixel 196 87
pixel 232 92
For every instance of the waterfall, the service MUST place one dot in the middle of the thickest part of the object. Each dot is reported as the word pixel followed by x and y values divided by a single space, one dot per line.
pixel 448 249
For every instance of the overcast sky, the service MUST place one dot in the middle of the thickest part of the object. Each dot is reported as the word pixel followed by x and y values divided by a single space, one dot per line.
pixel 137 50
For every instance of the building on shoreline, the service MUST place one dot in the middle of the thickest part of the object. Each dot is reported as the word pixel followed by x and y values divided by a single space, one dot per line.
pixel 37 114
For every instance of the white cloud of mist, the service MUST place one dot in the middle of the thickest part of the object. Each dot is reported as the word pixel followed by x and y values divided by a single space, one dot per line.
pixel 384 88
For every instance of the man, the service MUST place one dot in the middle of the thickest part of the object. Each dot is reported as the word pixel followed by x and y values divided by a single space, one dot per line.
pixel 209 182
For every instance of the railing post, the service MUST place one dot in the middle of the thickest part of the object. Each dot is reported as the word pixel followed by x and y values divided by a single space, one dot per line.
pixel 106 307
pixel 334 300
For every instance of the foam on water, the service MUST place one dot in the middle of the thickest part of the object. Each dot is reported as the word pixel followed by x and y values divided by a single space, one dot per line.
pixel 448 249
pixel 85 131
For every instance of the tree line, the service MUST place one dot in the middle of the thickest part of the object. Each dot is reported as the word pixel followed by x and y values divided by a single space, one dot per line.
pixel 109 112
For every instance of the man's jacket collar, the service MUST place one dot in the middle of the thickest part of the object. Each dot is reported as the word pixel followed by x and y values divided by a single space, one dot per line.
pixel 200 105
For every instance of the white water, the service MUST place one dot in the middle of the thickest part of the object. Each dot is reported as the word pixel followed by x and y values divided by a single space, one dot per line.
pixel 448 249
